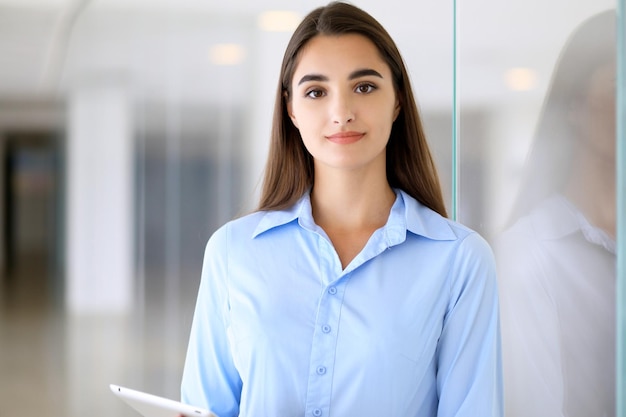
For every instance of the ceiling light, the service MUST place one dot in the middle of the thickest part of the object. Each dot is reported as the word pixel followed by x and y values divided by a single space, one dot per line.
pixel 521 79
pixel 279 21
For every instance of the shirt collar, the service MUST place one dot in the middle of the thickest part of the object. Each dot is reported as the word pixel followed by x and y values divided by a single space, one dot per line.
pixel 423 221
pixel 276 218
pixel 406 214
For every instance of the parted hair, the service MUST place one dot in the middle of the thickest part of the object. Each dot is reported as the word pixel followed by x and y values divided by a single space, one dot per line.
pixel 289 170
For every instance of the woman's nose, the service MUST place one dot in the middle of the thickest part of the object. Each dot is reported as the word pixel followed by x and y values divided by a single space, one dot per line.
pixel 343 111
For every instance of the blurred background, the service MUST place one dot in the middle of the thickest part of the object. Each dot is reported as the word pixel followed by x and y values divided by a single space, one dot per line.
pixel 131 129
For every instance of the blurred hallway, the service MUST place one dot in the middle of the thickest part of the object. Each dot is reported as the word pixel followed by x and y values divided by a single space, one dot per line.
pixel 57 365
pixel 32 334
pixel 32 351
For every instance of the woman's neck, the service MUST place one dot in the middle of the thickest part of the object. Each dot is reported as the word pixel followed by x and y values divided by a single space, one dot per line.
pixel 351 202
pixel 350 208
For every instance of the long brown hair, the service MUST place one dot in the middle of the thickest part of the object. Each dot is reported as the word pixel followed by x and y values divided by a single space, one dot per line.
pixel 289 171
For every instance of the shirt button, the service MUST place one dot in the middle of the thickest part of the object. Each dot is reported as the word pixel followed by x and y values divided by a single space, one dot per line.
pixel 321 370
pixel 332 291
pixel 326 328
pixel 317 412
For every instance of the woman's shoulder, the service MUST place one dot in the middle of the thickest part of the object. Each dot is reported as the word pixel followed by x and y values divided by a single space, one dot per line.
pixel 253 224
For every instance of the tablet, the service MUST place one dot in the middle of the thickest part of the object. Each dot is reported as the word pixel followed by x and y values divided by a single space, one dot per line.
pixel 149 405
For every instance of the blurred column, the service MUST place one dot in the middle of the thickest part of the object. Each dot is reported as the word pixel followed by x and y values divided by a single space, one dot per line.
pixel 99 254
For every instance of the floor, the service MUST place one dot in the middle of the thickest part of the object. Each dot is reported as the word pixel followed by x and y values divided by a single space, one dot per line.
pixel 58 365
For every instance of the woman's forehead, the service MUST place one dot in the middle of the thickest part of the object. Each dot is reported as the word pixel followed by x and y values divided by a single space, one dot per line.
pixel 337 53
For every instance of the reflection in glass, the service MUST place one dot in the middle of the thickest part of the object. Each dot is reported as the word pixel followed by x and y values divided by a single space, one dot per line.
pixel 557 259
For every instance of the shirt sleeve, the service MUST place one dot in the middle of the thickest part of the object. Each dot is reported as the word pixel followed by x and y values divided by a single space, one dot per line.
pixel 469 375
pixel 210 378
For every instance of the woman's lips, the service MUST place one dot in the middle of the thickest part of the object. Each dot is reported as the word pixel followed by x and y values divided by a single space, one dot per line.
pixel 345 137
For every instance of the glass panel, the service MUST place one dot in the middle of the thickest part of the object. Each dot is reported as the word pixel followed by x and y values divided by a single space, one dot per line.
pixel 186 90
pixel 621 211
pixel 536 91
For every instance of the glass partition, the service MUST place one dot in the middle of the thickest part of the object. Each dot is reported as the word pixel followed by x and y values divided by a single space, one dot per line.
pixel 536 165
pixel 130 130
pixel 621 209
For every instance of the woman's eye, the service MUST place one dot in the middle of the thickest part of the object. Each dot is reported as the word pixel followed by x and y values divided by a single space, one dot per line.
pixel 314 93
pixel 365 88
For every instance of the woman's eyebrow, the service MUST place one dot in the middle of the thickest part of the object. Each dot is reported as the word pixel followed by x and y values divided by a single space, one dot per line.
pixel 363 73
pixel 312 77
pixel 353 75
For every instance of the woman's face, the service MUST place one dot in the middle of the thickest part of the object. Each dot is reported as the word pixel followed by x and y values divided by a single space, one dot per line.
pixel 343 101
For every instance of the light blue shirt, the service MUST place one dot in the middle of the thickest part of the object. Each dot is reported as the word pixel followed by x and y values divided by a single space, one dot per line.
pixel 410 328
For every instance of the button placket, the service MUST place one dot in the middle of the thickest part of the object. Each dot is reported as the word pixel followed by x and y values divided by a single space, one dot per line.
pixel 323 349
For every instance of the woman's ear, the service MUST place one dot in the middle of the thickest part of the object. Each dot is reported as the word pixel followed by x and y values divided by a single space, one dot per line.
pixel 396 110
pixel 290 109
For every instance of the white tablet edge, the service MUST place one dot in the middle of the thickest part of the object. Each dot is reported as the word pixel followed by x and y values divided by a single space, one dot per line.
pixel 145 403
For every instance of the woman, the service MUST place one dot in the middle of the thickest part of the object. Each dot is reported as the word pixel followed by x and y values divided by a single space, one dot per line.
pixel 348 293
pixel 557 260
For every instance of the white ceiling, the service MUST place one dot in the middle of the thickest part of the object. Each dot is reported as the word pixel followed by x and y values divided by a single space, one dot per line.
pixel 161 46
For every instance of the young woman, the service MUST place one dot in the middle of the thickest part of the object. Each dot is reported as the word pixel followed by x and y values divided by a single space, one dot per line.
pixel 348 293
